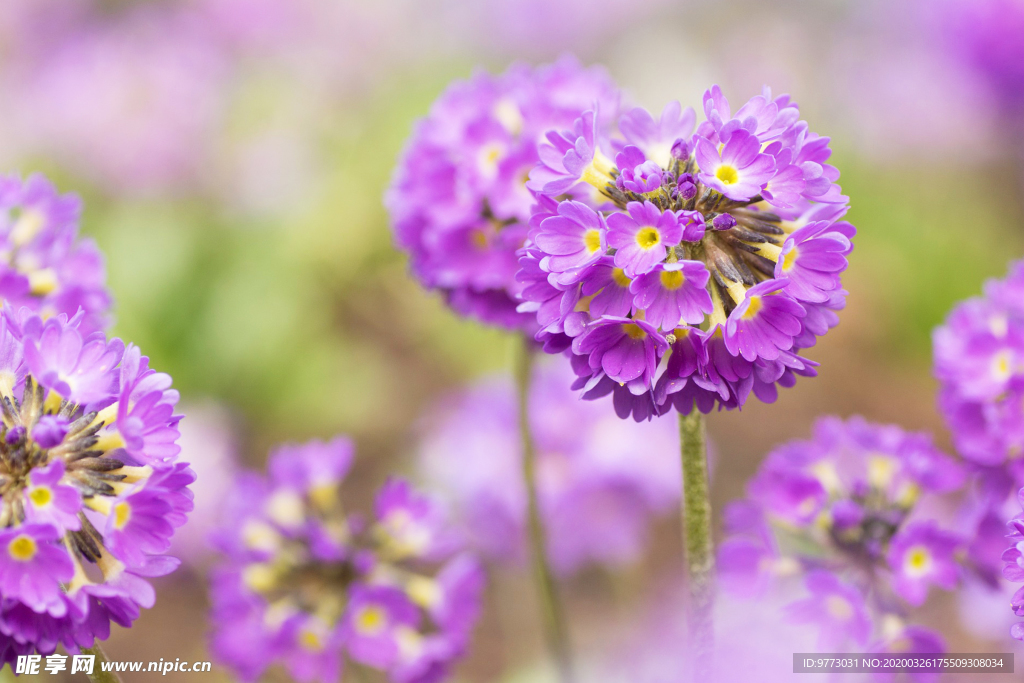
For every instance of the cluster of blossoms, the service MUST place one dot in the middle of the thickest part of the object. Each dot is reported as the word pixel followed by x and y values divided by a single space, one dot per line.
pixel 842 511
pixel 43 264
pixel 459 202
pixel 979 362
pixel 600 481
pixel 1013 569
pixel 90 489
pixel 693 268
pixel 301 582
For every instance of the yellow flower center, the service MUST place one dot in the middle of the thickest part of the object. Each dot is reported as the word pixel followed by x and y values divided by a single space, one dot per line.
pixel 634 331
pixel 310 640
pixel 727 174
pixel 592 240
pixel 40 495
pixel 370 620
pixel 648 237
pixel 122 513
pixel 672 279
pixel 918 561
pixel 789 259
pixel 753 308
pixel 620 278
pixel 22 548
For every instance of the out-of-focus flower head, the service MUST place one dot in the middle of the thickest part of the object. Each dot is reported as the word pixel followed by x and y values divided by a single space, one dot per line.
pixel 979 361
pixel 151 78
pixel 988 35
pixel 92 489
pixel 303 583
pixel 458 200
pixel 839 511
pixel 600 481
pixel 1013 568
pixel 44 264
pixel 687 268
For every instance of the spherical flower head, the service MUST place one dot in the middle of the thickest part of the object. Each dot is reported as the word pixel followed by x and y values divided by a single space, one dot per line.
pixel 48 268
pixel 458 201
pixel 301 582
pixel 86 520
pixel 979 362
pixel 601 482
pixel 747 201
pixel 847 504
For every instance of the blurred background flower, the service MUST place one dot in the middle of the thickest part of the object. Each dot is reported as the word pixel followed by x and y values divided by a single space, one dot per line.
pixel 233 156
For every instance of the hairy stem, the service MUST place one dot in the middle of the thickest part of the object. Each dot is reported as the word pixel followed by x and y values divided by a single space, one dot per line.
pixel 98 675
pixel 700 558
pixel 555 631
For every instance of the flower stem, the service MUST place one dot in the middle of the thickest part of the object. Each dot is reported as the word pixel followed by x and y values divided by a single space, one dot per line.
pixel 555 631
pixel 98 675
pixel 700 558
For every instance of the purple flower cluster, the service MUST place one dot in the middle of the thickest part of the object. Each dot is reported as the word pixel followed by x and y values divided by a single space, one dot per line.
pixel 989 36
pixel 44 265
pixel 979 361
pixel 302 583
pixel 686 266
pixel 1013 569
pixel 600 481
pixel 839 511
pixel 458 199
pixel 90 485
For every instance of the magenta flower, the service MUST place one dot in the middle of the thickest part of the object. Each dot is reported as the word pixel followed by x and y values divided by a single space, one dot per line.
pixel 740 170
pixel 575 239
pixel 673 293
pixel 1013 567
pixel 641 237
pixel 623 348
pixel 762 325
pixel 750 196
pixel 370 590
pixel 923 555
pixel 838 609
pixel 458 201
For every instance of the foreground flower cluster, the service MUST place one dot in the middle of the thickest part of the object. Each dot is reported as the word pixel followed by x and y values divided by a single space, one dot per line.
pixel 90 490
pixel 839 512
pixel 686 267
pixel 302 582
pixel 601 481
pixel 458 200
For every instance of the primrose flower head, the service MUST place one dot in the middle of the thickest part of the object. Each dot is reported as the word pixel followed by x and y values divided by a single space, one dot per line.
pixel 601 481
pixel 302 583
pixel 979 362
pixel 720 244
pixel 1013 565
pixel 840 509
pixel 90 489
pixel 43 263
pixel 458 200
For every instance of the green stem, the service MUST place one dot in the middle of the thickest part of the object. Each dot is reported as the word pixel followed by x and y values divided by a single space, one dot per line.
pixel 555 631
pixel 98 675
pixel 700 558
